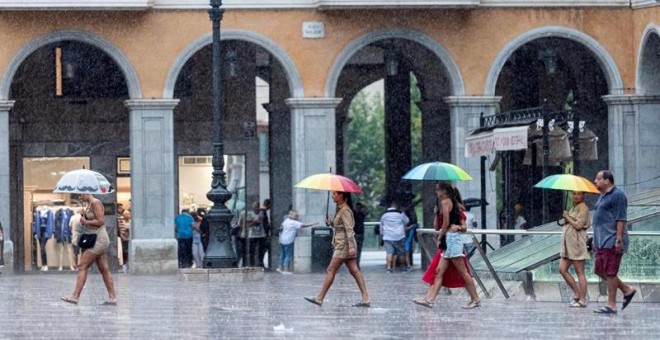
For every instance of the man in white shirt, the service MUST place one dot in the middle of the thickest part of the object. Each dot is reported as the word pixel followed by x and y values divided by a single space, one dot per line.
pixel 392 228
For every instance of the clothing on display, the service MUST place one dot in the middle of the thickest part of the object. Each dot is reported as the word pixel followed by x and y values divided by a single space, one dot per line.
pixel 49 221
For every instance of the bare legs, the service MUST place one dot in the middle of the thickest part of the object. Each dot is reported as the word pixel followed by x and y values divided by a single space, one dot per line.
pixel 353 268
pixel 614 283
pixel 459 263
pixel 579 289
pixel 86 260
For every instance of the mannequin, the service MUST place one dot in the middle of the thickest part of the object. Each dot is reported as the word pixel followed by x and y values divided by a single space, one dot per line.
pixel 63 234
pixel 44 225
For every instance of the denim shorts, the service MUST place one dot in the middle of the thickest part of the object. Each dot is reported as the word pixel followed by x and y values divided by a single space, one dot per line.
pixel 454 246
pixel 395 247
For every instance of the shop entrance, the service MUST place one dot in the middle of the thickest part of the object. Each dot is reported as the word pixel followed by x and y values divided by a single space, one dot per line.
pixel 46 215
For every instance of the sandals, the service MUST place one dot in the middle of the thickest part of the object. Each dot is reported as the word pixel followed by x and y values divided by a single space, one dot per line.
pixel 605 310
pixel 109 303
pixel 69 300
pixel 627 299
pixel 362 304
pixel 423 302
pixel 472 305
pixel 578 304
pixel 313 300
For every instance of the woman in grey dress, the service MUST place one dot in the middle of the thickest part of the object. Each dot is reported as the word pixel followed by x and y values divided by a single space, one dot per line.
pixel 93 221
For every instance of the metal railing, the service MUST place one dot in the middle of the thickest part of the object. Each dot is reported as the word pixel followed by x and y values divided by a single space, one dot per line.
pixel 478 246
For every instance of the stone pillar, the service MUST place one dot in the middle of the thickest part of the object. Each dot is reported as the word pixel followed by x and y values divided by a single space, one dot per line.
pixel 312 151
pixel 8 248
pixel 153 248
pixel 280 172
pixel 464 117
pixel 633 143
pixel 397 131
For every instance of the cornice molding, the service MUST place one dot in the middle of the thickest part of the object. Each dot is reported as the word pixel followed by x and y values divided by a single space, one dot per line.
pixel 310 4
pixel 151 104
pixel 313 103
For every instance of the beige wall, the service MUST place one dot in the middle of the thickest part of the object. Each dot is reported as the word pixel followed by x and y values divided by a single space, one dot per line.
pixel 152 40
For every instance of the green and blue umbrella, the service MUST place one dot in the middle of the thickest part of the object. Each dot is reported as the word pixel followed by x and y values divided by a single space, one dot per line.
pixel 437 171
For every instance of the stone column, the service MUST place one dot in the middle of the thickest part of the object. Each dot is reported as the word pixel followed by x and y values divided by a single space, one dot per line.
pixel 280 172
pixel 153 248
pixel 5 219
pixel 632 125
pixel 464 117
pixel 397 131
pixel 312 151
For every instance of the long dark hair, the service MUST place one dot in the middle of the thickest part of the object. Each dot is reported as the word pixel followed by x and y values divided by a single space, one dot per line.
pixel 348 198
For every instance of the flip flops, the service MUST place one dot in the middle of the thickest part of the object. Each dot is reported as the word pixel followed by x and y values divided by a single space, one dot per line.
pixel 605 310
pixel 472 305
pixel 313 300
pixel 109 303
pixel 69 300
pixel 362 304
pixel 627 299
pixel 578 304
pixel 423 302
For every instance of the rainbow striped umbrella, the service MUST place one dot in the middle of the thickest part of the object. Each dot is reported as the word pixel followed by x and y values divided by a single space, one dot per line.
pixel 328 181
pixel 437 171
pixel 568 182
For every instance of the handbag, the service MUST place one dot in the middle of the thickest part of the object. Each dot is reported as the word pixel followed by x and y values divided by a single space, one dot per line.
pixel 86 241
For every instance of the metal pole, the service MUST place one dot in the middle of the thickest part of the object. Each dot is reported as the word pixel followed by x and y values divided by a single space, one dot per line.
pixel 546 159
pixel 483 201
pixel 220 253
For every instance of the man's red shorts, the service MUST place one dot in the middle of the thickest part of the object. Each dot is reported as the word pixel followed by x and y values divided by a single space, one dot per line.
pixel 607 262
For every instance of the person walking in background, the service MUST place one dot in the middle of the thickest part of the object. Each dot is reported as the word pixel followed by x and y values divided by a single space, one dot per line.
pixel 611 239
pixel 574 248
pixel 451 222
pixel 197 247
pixel 290 227
pixel 345 249
pixel 393 230
pixel 183 230
pixel 125 236
pixel 264 219
pixel 240 239
pixel 256 236
pixel 93 221
pixel 360 214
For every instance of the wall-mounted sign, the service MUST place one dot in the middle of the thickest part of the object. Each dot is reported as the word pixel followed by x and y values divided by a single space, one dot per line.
pixel 313 30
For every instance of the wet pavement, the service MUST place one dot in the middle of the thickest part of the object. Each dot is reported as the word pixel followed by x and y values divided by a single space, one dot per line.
pixel 169 308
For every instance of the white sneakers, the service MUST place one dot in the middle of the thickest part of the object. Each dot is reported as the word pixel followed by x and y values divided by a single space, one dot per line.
pixel 44 268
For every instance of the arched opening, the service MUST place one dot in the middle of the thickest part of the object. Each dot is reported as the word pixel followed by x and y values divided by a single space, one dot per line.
pixel 68 113
pixel 391 118
pixel 561 75
pixel 256 130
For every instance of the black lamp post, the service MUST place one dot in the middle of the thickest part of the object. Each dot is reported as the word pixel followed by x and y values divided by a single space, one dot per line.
pixel 220 253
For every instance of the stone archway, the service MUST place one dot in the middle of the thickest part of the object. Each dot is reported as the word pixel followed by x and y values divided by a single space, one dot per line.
pixel 606 62
pixel 134 90
pixel 292 74
pixel 648 63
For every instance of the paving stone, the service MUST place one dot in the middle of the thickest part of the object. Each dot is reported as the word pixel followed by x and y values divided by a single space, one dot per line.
pixel 167 307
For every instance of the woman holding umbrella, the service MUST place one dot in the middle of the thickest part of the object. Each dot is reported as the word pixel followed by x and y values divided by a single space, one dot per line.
pixel 93 222
pixel 345 249
pixel 574 248
pixel 450 223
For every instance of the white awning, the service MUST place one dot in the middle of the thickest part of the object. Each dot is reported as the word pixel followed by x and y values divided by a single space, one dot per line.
pixel 501 139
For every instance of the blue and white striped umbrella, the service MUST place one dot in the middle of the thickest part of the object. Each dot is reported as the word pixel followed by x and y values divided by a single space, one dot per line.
pixel 437 171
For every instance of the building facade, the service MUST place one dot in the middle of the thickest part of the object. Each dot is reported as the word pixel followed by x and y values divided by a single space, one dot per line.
pixel 124 87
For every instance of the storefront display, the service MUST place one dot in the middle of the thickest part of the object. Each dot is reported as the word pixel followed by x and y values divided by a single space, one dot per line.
pixel 47 234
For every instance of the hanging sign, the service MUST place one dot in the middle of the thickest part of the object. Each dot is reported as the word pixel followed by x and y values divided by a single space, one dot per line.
pixel 502 139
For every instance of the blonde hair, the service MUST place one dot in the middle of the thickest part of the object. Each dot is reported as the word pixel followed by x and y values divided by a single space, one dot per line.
pixel 293 215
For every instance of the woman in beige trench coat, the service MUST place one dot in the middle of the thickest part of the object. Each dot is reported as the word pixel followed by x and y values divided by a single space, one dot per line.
pixel 574 248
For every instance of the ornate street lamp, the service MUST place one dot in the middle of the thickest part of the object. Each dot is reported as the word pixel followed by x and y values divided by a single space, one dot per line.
pixel 220 253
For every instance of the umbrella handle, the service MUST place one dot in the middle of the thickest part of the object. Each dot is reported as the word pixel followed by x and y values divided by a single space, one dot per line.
pixel 327 208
